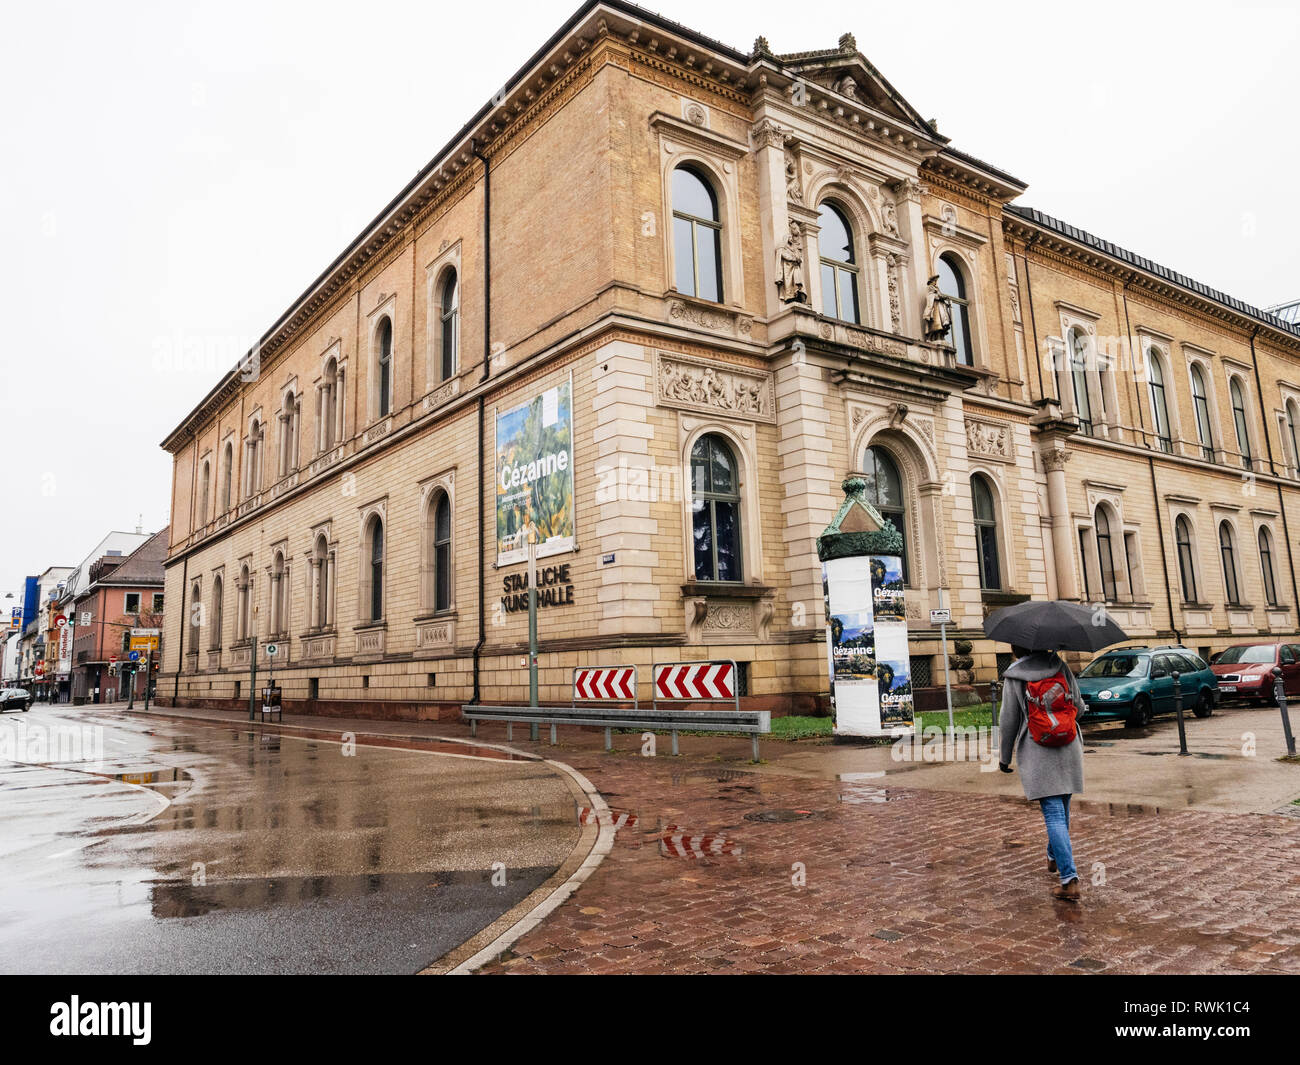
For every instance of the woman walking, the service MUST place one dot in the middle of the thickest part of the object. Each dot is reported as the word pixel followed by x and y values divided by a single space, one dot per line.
pixel 1040 707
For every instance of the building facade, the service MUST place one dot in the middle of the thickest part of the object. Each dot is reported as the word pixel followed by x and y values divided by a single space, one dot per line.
pixel 660 297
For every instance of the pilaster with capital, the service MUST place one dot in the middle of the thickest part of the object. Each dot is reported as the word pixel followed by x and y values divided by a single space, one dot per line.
pixel 913 271
pixel 769 140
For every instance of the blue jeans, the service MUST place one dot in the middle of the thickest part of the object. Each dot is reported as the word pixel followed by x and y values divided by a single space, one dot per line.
pixel 1056 816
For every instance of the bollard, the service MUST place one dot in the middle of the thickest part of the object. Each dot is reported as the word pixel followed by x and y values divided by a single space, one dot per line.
pixel 1178 709
pixel 1279 692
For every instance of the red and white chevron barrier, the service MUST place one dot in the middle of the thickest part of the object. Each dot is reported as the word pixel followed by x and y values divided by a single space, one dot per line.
pixel 605 682
pixel 695 680
pixel 619 819
pixel 675 843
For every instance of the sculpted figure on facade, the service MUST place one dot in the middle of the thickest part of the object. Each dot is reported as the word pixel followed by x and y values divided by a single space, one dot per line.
pixel 937 316
pixel 789 267
pixel 890 213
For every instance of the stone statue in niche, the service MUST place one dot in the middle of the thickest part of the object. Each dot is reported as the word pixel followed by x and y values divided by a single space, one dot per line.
pixel 890 213
pixel 936 319
pixel 789 267
pixel 792 190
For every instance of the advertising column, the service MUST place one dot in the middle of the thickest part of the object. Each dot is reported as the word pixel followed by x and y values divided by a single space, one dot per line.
pixel 866 623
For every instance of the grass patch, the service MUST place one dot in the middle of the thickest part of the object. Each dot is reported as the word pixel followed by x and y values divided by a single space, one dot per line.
pixel 802 728
pixel 965 717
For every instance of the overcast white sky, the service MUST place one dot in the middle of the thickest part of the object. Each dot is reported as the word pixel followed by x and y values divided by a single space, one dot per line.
pixel 175 173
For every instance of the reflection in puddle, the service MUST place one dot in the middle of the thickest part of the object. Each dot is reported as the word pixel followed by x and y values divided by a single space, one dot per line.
pixel 676 842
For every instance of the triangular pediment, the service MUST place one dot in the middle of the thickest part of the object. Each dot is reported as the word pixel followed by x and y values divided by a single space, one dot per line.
pixel 851 75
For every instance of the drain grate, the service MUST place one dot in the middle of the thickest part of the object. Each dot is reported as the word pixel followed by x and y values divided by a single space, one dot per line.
pixel 781 815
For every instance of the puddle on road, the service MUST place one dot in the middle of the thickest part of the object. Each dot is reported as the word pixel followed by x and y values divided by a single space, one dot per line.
pixel 171 899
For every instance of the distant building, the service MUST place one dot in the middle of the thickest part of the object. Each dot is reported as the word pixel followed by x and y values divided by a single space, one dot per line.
pixel 119 593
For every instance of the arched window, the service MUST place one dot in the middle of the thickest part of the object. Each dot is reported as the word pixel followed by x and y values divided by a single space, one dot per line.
pixel 697 236
pixel 1077 343
pixel 1201 402
pixel 203 493
pixel 953 285
pixel 291 406
pixel 1105 555
pixel 384 340
pixel 253 455
pixel 244 622
pixel 1239 420
pixel 1186 569
pixel 715 505
pixel 1266 566
pixel 885 493
pixel 322 577
pixel 1295 441
pixel 329 407
pixel 196 617
pixel 279 595
pixel 1228 555
pixel 376 556
pixel 839 265
pixel 986 533
pixel 440 552
pixel 214 629
pixel 227 475
pixel 1159 406
pixel 449 320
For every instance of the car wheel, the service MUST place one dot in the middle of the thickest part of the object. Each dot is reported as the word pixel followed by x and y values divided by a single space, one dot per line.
pixel 1141 714
pixel 1204 707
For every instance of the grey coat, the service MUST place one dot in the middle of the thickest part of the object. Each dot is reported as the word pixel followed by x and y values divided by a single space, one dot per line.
pixel 1044 771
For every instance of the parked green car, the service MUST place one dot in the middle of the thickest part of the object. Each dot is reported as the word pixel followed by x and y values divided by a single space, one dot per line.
pixel 1137 683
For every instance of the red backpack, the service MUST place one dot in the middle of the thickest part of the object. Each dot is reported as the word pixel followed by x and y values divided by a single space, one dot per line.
pixel 1051 712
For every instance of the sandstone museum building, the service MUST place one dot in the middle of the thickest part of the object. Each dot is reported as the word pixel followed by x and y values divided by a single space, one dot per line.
pixel 658 299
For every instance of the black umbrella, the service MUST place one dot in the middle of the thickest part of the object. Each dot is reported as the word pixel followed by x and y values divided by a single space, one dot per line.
pixel 1051 625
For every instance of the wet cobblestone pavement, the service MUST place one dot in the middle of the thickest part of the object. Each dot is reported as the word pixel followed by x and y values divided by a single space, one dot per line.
pixel 701 880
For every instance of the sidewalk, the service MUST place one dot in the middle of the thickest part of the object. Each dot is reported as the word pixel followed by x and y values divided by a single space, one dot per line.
pixel 702 875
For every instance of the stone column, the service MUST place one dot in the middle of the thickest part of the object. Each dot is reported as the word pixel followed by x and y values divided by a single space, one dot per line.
pixel 337 396
pixel 911 230
pixel 769 140
pixel 1058 501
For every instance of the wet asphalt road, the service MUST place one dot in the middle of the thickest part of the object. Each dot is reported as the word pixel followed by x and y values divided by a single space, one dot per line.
pixel 195 848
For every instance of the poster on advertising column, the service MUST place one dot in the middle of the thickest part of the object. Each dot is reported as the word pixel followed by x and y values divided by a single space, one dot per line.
pixel 866 644
pixel 535 475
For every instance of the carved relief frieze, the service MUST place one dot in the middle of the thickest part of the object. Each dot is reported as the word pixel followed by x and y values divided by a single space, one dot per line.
pixel 698 384
pixel 989 440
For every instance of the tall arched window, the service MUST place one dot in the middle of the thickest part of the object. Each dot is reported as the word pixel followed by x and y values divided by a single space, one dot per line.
pixel 1159 405
pixel 885 493
pixel 1295 441
pixel 1239 420
pixel 449 321
pixel 440 552
pixel 1266 566
pixel 986 533
pixel 1077 343
pixel 953 285
pixel 1228 556
pixel 1105 555
pixel 839 265
pixel 322 587
pixel 244 622
pixel 253 457
pixel 1186 569
pixel 291 407
pixel 227 475
pixel 384 341
pixel 715 506
pixel 376 561
pixel 697 236
pixel 203 493
pixel 1201 402
pixel 279 595
pixel 214 628
pixel 196 617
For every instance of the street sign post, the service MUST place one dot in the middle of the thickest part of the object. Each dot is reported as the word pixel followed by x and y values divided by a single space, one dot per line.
pixel 942 617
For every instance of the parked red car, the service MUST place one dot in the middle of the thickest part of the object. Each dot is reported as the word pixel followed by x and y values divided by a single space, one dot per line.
pixel 1245 670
